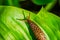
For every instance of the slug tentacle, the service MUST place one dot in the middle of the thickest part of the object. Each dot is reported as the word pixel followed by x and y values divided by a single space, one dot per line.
pixel 36 30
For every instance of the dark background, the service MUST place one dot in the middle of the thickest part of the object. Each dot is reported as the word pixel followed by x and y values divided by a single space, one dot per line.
pixel 29 5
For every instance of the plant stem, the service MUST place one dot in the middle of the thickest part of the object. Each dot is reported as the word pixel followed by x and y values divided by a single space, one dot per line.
pixel 50 5
pixel 8 2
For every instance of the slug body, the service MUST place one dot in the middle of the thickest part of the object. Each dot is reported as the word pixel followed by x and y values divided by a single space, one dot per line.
pixel 37 31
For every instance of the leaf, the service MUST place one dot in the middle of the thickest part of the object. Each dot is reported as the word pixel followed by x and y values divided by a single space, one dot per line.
pixel 51 24
pixel 41 2
pixel 13 29
pixel 10 3
pixel 1 2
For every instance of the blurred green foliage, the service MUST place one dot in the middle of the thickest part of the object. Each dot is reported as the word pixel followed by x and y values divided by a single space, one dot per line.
pixel 42 2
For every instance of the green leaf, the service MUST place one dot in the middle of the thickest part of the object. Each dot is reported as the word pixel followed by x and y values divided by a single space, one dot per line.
pixel 13 29
pixel 10 3
pixel 41 2
pixel 51 24
pixel 1 2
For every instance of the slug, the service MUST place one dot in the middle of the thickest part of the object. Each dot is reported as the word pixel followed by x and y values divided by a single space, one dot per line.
pixel 36 30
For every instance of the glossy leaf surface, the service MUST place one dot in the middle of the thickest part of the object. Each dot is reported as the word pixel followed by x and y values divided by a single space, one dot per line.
pixel 13 29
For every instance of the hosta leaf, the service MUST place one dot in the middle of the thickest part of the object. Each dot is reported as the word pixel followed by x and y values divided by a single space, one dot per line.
pixel 10 27
pixel 51 24
pixel 13 29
